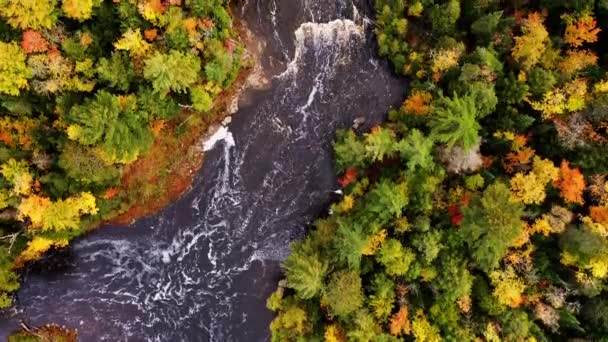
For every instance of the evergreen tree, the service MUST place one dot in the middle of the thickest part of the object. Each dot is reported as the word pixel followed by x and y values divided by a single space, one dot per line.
pixel 305 271
pixel 174 71
pixel 491 224
pixel 455 121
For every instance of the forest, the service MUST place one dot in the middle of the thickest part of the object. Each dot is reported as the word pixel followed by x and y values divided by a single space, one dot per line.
pixel 479 210
pixel 87 89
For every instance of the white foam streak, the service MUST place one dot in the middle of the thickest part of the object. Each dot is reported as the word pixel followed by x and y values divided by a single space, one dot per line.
pixel 222 134
pixel 335 35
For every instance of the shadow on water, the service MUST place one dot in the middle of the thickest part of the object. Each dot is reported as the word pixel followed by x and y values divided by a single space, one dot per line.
pixel 202 268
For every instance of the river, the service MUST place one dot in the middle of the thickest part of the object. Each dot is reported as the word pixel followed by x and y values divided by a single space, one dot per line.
pixel 201 269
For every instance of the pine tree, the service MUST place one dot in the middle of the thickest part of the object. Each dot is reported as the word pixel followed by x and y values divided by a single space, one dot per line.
pixel 174 71
pixel 349 150
pixel 112 122
pixel 454 121
pixel 491 224
pixel 304 270
pixel 417 150
pixel 379 144
pixel 387 200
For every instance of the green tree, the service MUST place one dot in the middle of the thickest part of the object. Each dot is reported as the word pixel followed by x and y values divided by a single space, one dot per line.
pixel 349 244
pixel 174 71
pixel 382 298
pixel 291 322
pixel 349 150
pixel 391 31
pixel 379 143
pixel 387 200
pixel 455 121
pixel 201 99
pixel 485 27
pixel 491 224
pixel 83 164
pixel 541 81
pixel 428 244
pixel 112 122
pixel 344 293
pixel 417 150
pixel 117 71
pixel 218 69
pixel 444 17
pixel 304 270
pixel 9 280
pixel 395 258
pixel 365 328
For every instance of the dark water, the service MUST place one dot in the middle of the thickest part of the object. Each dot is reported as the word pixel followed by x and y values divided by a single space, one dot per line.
pixel 202 268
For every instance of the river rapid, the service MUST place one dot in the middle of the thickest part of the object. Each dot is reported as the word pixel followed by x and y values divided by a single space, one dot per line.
pixel 201 269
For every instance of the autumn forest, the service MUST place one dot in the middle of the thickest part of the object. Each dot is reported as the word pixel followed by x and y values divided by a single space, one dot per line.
pixel 478 211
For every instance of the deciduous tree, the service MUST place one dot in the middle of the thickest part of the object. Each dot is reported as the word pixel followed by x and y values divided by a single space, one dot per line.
pixel 13 71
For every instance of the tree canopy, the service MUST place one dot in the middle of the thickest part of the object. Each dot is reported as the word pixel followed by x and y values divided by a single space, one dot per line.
pixel 479 210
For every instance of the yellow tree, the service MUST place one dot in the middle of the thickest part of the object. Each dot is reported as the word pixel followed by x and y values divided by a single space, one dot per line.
pixel 36 248
pixel 577 60
pixel 508 287
pixel 78 9
pixel 530 188
pixel 60 215
pixel 13 71
pixel 529 47
pixel 423 330
pixel 570 98
pixel 133 42
pixel 17 173
pixel 527 189
pixel 29 14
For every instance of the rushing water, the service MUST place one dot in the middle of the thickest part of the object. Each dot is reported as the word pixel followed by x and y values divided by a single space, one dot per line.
pixel 202 268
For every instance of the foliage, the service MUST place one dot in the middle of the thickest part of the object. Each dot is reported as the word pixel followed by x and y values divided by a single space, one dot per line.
pixel 114 123
pixel 344 293
pixel 530 46
pixel 13 71
pixel 78 9
pixel 60 215
pixel 305 271
pixel 479 211
pixel 571 183
pixel 455 121
pixel 171 72
pixel 29 14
